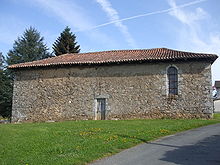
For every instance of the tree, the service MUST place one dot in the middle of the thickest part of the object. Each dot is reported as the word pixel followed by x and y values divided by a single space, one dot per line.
pixel 5 90
pixel 28 47
pixel 2 60
pixel 66 43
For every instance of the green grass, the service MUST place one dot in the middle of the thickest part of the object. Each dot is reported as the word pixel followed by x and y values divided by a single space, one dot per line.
pixel 80 142
pixel 217 116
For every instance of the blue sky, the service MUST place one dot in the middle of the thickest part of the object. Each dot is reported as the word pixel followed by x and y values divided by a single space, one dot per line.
pixel 188 25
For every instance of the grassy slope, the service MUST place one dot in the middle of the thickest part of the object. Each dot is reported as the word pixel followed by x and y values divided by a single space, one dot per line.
pixel 78 142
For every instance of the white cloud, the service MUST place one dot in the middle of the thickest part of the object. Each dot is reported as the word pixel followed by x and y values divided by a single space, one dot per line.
pixel 186 18
pixel 74 16
pixel 114 16
pixel 68 11
pixel 192 36
pixel 147 14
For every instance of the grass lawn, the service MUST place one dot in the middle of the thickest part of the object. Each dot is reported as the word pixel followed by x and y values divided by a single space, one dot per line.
pixel 80 142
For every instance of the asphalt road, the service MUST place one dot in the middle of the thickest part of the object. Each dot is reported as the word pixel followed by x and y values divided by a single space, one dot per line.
pixel 199 146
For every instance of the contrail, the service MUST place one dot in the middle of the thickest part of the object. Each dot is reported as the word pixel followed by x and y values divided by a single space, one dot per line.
pixel 146 14
pixel 114 17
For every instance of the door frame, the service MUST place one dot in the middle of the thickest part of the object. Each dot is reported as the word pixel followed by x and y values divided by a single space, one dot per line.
pixel 96 102
pixel 102 109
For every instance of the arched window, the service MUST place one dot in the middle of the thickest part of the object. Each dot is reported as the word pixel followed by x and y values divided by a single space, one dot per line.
pixel 172 74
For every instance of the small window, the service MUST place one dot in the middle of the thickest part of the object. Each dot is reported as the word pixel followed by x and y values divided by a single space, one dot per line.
pixel 172 74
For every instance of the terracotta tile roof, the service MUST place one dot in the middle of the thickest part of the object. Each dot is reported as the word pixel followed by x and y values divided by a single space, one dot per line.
pixel 117 56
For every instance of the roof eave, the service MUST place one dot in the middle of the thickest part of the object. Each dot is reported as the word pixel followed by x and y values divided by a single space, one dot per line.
pixel 13 67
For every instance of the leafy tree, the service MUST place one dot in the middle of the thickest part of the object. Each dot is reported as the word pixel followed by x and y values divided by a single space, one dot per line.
pixel 28 47
pixel 66 43
pixel 5 90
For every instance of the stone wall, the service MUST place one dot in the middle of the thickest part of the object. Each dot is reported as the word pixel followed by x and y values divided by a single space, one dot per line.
pixel 131 91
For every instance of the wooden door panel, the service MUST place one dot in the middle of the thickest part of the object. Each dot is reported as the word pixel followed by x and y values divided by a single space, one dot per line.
pixel 100 109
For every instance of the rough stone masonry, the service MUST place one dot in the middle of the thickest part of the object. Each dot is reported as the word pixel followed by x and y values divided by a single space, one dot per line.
pixel 131 89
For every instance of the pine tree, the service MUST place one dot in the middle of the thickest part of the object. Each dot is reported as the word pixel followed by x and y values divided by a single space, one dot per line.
pixel 66 43
pixel 28 47
pixel 5 90
pixel 2 59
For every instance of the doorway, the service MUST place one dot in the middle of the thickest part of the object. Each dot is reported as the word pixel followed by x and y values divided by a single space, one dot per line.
pixel 101 109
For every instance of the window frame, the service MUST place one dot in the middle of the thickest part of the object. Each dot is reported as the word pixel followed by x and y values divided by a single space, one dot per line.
pixel 173 83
